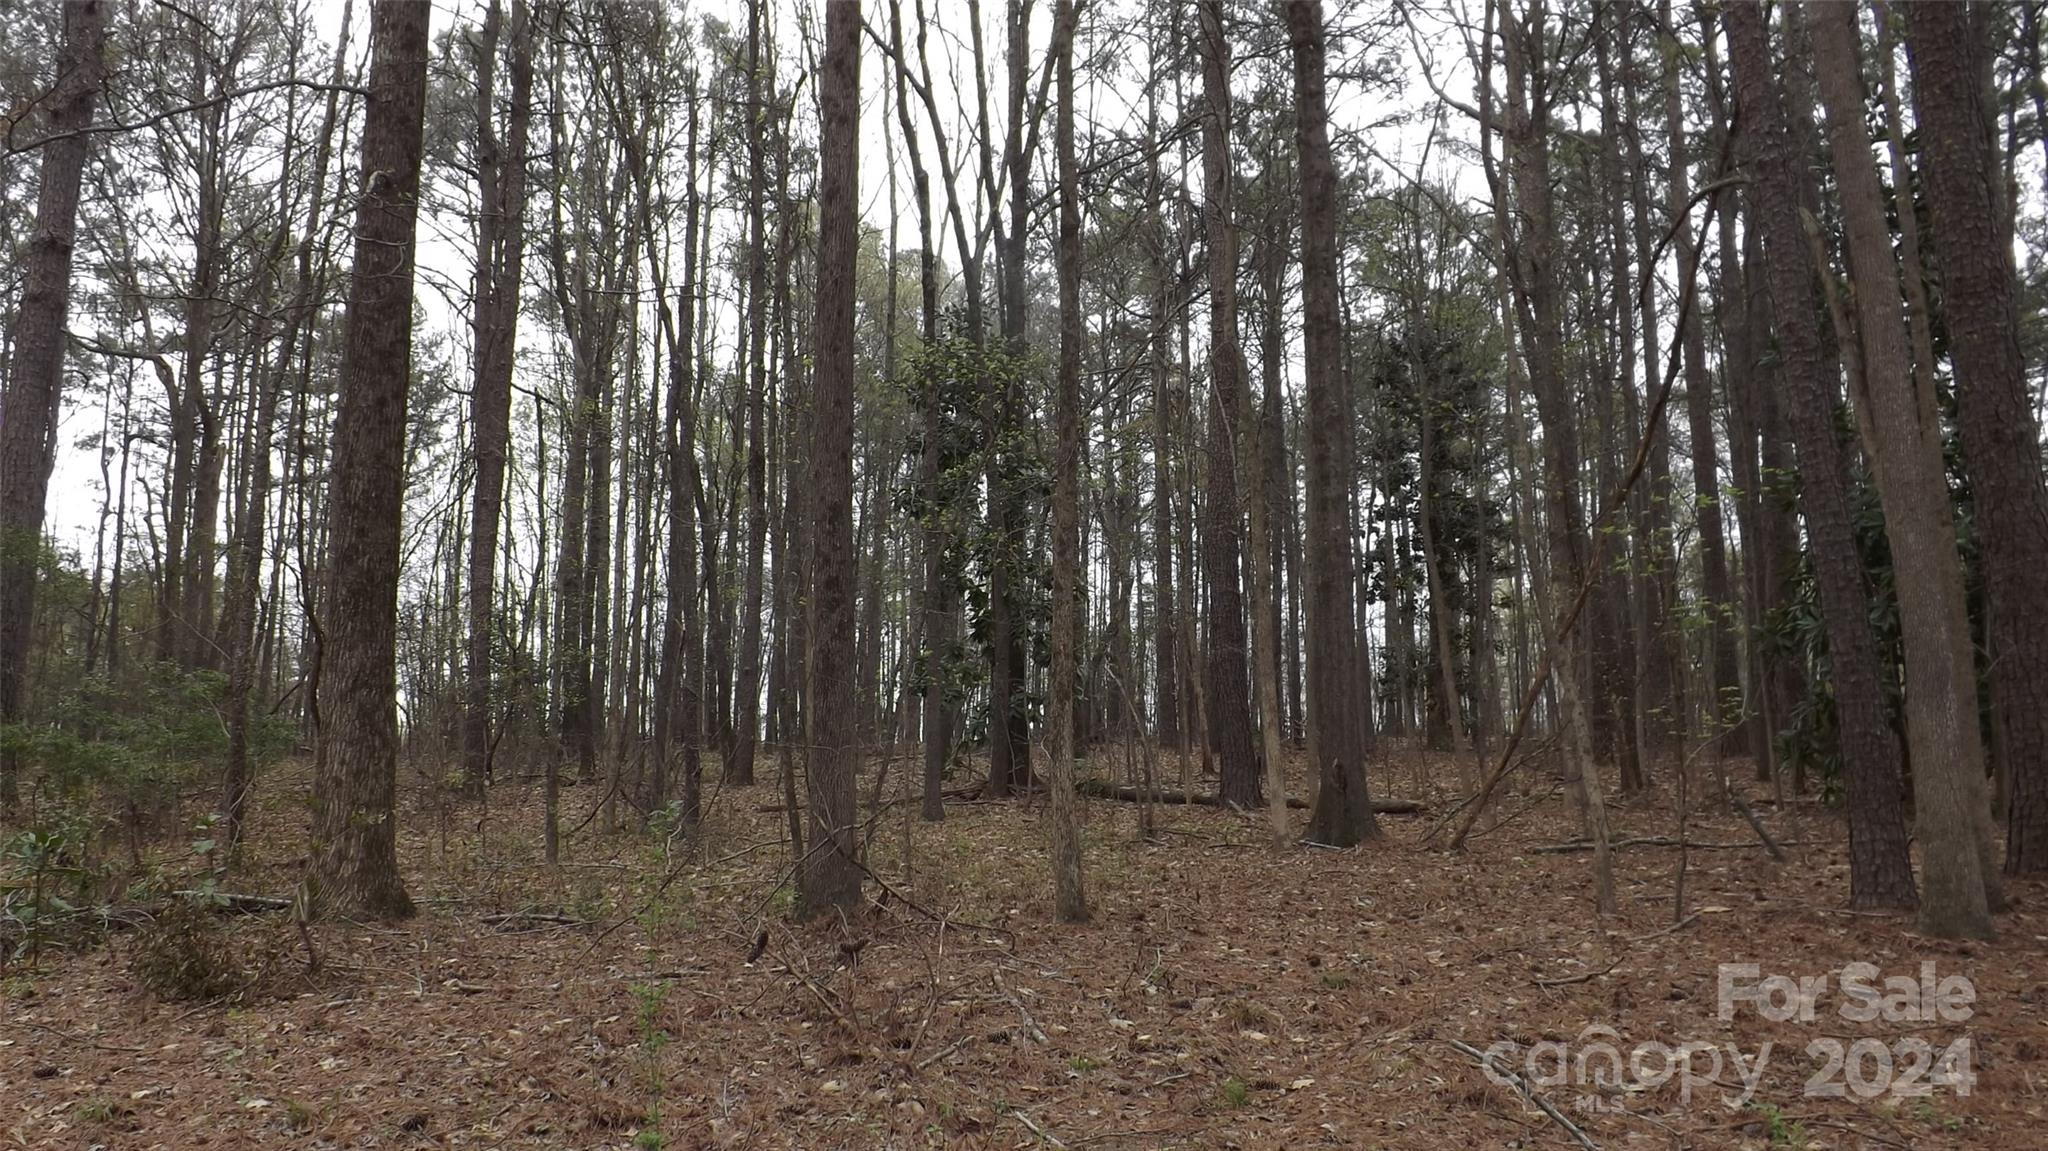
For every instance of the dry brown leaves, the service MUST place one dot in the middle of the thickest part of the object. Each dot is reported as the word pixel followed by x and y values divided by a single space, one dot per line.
pixel 1224 996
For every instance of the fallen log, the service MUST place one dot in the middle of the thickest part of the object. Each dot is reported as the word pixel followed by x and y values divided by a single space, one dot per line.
pixel 241 904
pixel 952 795
pixel 1579 845
pixel 1103 789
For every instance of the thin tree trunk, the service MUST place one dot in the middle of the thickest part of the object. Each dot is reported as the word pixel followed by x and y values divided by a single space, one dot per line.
pixel 246 568
pixel 501 249
pixel 1528 148
pixel 1165 608
pixel 1723 687
pixel 1070 900
pixel 1439 608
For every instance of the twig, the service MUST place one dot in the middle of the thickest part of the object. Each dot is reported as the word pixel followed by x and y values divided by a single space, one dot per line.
pixel 1585 977
pixel 1125 1135
pixel 1757 825
pixel 76 1037
pixel 1681 925
pixel 942 1052
pixel 824 998
pixel 928 913
pixel 246 904
pixel 1037 1130
pixel 1859 1132
pixel 1486 1063
pixel 1031 1027
pixel 540 917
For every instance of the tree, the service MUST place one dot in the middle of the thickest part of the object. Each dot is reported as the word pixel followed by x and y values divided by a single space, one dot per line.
pixel 1009 712
pixel 355 778
pixel 936 592
pixel 1228 697
pixel 739 765
pixel 1940 669
pixel 1723 685
pixel 246 560
pixel 832 870
pixel 35 372
pixel 501 250
pixel 1879 870
pixel 1343 809
pixel 1531 91
pixel 2001 451
pixel 1069 898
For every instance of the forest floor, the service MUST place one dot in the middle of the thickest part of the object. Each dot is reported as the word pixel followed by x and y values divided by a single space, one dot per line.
pixel 1225 995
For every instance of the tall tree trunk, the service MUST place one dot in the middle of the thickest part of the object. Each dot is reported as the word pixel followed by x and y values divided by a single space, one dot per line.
pixel 2001 439
pixel 1229 704
pixel 1641 675
pixel 1070 900
pixel 501 250
pixel 1870 754
pixel 1723 687
pixel 1440 625
pixel 739 769
pixel 1165 608
pixel 246 568
pixel 1661 709
pixel 686 494
pixel 1009 718
pixel 1950 804
pixel 831 870
pixel 1259 455
pixel 1528 146
pixel 35 370
pixel 937 597
pixel 1343 809
pixel 355 777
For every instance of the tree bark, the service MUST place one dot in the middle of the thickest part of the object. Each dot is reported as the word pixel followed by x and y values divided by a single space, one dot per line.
pixel 355 777
pixel 35 371
pixel 831 870
pixel 501 249
pixel 2001 439
pixel 1343 809
pixel 1229 704
pixel 1879 868
pixel 739 768
pixel 1723 692
pixel 1528 147
pixel 1070 900
pixel 1950 803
